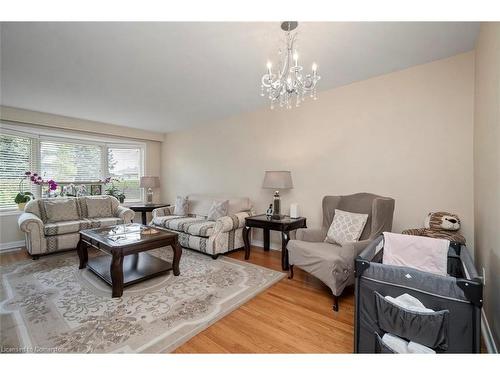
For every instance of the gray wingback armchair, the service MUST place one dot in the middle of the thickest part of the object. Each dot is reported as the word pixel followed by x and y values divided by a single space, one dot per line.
pixel 331 263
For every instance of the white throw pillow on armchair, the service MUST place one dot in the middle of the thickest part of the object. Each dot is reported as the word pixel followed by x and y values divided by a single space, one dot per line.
pixel 346 227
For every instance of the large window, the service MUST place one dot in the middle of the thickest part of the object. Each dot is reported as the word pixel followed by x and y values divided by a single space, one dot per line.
pixel 16 157
pixel 70 162
pixel 125 164
pixel 66 160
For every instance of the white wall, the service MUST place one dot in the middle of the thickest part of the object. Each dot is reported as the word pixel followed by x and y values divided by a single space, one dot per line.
pixel 487 168
pixel 406 135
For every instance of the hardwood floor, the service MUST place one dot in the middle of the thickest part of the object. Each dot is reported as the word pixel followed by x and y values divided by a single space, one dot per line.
pixel 292 316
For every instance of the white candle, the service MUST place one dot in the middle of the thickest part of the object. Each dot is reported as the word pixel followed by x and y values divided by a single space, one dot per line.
pixel 269 66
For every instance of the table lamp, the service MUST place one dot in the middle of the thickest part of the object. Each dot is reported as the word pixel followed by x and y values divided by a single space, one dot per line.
pixel 277 180
pixel 149 182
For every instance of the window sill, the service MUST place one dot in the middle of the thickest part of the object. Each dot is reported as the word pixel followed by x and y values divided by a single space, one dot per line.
pixel 10 212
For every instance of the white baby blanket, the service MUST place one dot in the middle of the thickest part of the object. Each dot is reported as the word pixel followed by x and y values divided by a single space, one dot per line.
pixel 423 253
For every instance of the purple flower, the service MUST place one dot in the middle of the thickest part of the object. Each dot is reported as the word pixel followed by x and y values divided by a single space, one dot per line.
pixel 27 173
pixel 35 174
pixel 32 178
pixel 39 178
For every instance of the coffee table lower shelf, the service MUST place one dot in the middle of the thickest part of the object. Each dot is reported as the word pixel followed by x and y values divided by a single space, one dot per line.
pixel 136 267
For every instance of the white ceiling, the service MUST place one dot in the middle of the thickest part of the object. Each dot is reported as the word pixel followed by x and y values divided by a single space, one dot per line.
pixel 167 76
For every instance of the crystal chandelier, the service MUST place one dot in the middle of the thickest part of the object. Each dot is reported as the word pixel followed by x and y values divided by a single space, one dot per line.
pixel 288 85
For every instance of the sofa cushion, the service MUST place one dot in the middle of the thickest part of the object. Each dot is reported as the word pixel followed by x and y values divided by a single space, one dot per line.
pixel 99 206
pixel 202 228
pixel 319 259
pixel 190 225
pixel 59 210
pixel 63 227
pixel 105 222
pixel 200 204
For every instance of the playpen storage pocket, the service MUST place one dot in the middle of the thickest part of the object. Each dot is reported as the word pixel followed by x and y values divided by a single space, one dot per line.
pixel 426 328
pixel 381 347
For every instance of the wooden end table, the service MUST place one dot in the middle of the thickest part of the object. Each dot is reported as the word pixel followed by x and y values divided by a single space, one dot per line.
pixel 127 261
pixel 144 208
pixel 284 225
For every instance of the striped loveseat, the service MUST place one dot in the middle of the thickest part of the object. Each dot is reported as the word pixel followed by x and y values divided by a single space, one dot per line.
pixel 53 224
pixel 197 233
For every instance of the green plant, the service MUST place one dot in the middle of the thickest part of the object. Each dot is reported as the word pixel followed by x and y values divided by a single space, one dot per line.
pixel 113 190
pixel 23 197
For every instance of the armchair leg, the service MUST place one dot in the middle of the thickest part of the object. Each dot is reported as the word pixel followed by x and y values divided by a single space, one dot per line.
pixel 35 257
pixel 215 256
pixel 335 303
pixel 290 271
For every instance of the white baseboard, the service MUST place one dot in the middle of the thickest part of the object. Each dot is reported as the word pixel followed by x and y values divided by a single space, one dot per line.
pixel 10 246
pixel 272 245
pixel 487 335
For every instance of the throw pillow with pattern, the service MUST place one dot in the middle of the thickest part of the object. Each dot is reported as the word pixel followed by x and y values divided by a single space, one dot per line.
pixel 346 227
pixel 60 210
pixel 99 207
pixel 181 206
pixel 218 210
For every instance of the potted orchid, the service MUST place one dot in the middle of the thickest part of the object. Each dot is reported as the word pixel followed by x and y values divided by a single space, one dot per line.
pixel 24 197
pixel 112 189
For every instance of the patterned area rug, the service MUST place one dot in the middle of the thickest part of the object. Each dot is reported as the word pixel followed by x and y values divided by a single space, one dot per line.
pixel 50 305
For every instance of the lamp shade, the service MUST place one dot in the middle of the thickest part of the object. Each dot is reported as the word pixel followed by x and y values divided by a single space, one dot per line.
pixel 150 182
pixel 277 180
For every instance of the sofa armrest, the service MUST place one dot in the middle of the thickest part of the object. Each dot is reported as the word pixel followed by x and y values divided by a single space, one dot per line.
pixel 125 213
pixel 349 251
pixel 231 222
pixel 311 235
pixel 29 223
pixel 343 267
pixel 33 226
pixel 163 211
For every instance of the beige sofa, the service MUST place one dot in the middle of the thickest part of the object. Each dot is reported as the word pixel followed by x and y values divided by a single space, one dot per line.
pixel 52 224
pixel 197 233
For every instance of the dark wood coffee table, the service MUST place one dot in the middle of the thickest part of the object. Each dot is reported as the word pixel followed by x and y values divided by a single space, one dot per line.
pixel 126 261
pixel 284 225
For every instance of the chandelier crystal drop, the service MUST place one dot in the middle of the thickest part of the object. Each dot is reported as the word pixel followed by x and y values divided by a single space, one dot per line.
pixel 288 86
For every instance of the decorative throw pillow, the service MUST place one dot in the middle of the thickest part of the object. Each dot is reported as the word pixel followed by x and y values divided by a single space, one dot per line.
pixel 181 206
pixel 218 209
pixel 99 207
pixel 346 227
pixel 60 210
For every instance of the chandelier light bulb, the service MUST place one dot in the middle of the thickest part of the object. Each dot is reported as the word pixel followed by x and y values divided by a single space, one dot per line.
pixel 296 58
pixel 269 65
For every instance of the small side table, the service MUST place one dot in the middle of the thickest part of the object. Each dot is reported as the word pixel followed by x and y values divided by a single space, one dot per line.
pixel 284 226
pixel 144 208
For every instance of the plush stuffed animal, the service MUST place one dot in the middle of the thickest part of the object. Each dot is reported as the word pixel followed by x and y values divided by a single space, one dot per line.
pixel 440 225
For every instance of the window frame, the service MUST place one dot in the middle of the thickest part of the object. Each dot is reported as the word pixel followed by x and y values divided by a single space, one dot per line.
pixel 141 164
pixel 68 136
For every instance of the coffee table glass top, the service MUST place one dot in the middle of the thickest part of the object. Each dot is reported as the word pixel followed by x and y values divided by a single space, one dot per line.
pixel 125 234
